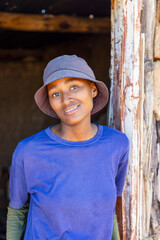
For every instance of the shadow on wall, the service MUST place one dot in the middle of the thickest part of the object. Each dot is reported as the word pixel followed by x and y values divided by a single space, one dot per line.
pixel 4 200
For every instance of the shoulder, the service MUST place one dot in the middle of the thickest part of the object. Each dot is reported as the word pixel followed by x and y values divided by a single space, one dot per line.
pixel 117 137
pixel 28 143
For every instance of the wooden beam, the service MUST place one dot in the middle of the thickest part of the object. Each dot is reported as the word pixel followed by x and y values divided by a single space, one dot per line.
pixel 50 23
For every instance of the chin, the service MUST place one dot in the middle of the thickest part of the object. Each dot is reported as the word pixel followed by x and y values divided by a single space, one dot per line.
pixel 73 120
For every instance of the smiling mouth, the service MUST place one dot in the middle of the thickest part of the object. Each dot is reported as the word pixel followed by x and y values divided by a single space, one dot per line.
pixel 71 110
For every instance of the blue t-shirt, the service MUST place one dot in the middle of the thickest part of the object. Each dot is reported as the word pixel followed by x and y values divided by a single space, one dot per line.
pixel 72 186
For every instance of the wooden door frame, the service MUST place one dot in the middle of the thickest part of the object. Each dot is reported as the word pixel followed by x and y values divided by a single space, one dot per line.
pixel 124 106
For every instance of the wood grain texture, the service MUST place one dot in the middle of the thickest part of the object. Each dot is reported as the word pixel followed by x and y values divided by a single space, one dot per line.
pixel 131 110
pixel 156 91
pixel 150 204
pixel 148 28
pixel 124 101
pixel 157 42
pixel 50 23
pixel 157 32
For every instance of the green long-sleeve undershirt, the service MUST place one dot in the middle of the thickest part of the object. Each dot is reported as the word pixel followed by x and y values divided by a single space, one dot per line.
pixel 16 222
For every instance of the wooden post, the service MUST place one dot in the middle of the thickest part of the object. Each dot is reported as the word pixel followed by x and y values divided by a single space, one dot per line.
pixel 141 137
pixel 124 100
pixel 134 109
pixel 148 28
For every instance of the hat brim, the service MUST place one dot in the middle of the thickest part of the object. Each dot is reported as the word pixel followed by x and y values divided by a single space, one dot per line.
pixel 41 96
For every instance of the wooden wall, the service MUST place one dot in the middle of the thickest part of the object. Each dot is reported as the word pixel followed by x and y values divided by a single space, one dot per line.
pixel 135 109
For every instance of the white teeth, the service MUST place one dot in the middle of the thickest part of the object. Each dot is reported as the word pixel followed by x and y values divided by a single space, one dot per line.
pixel 71 109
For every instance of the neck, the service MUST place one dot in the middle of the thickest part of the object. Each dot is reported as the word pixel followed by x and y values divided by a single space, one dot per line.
pixel 77 132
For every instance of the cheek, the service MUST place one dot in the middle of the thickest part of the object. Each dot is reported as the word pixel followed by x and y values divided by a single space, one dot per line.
pixel 88 100
pixel 53 104
pixel 89 96
pixel 50 102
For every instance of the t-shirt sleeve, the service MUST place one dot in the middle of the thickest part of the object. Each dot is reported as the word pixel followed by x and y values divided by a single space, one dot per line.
pixel 17 186
pixel 122 168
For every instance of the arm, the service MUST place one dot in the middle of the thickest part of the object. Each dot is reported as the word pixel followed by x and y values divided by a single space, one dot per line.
pixel 19 198
pixel 16 222
pixel 115 233
pixel 119 180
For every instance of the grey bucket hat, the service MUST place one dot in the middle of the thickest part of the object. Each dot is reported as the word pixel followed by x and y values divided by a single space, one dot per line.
pixel 69 66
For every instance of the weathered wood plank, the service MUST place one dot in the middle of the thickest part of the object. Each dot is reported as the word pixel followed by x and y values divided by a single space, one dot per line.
pixel 156 91
pixel 149 143
pixel 124 99
pixel 157 32
pixel 157 43
pixel 140 200
pixel 50 23
pixel 158 12
pixel 131 110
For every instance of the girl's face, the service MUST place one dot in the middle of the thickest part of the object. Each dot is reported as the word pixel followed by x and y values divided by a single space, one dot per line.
pixel 72 99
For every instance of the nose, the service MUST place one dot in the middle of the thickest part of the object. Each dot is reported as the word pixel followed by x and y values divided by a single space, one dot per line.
pixel 66 98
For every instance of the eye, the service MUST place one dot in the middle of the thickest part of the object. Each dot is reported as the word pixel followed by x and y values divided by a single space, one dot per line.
pixel 73 87
pixel 55 94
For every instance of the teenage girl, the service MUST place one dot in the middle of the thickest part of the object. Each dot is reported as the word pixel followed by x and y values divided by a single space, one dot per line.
pixel 71 173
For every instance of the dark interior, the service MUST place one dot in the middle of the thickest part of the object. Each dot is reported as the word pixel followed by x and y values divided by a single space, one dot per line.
pixel 23 56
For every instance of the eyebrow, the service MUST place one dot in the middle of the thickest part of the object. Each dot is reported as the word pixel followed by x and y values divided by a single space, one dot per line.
pixel 67 81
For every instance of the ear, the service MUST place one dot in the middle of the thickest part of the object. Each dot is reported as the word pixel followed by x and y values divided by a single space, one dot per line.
pixel 94 89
